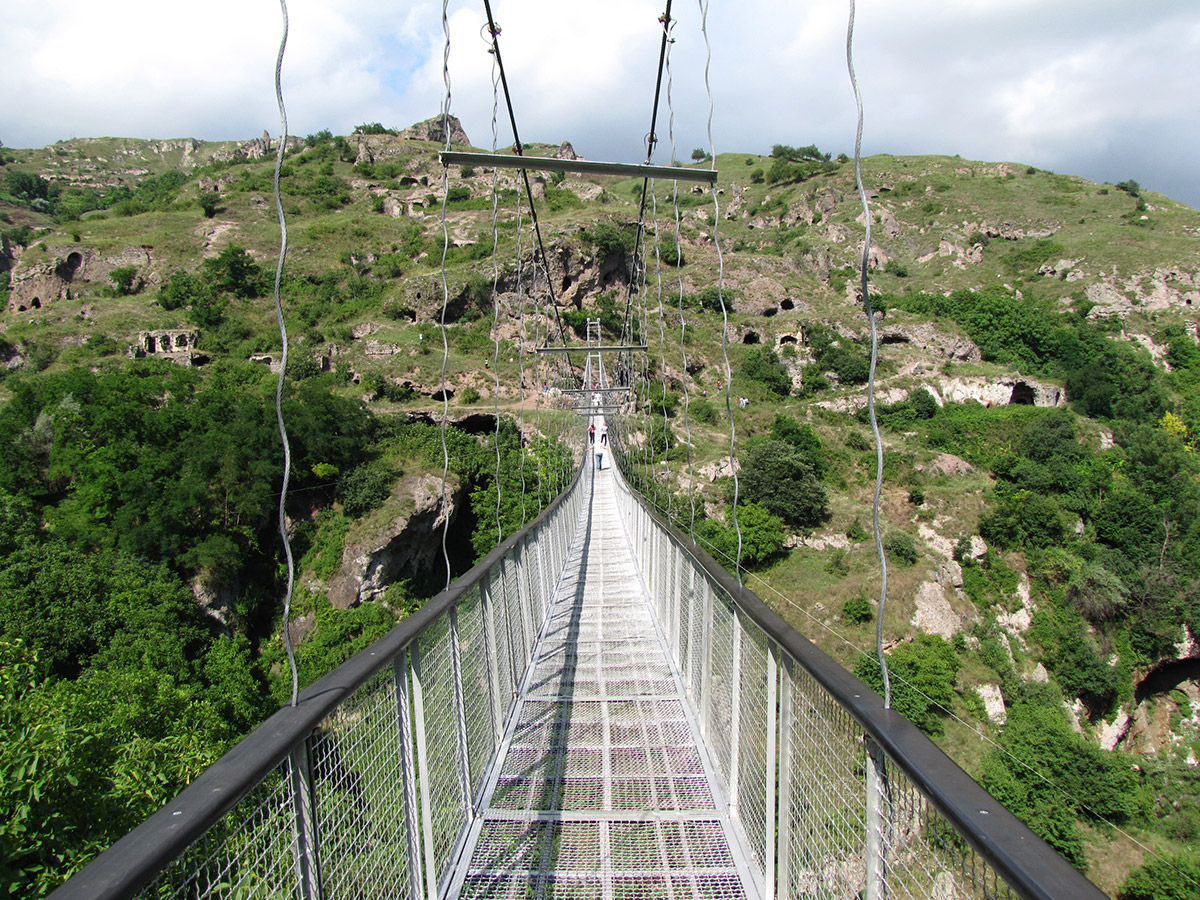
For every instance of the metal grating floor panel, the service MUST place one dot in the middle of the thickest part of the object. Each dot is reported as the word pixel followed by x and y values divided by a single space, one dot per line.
pixel 602 790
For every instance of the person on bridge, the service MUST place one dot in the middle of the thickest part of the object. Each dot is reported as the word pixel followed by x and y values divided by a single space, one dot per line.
pixel 603 432
pixel 599 456
pixel 591 432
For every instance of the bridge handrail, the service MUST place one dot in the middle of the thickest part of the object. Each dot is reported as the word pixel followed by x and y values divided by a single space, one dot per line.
pixel 130 864
pixel 1030 867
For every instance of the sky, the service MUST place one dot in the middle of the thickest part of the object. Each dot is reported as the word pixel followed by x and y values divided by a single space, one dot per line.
pixel 1107 89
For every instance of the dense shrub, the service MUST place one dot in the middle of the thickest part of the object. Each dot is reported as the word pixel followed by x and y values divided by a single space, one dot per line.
pixel 366 487
pixel 607 238
pixel 858 610
pixel 785 482
pixel 923 673
pixel 702 410
pixel 762 536
pixel 1175 877
pixel 901 547
pixel 1048 776
pixel 762 366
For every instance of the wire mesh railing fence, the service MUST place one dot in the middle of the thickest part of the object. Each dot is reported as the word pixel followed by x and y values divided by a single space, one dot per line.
pixel 836 796
pixel 367 787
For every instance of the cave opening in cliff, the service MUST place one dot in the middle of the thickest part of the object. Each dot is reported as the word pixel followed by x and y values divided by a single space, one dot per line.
pixel 67 268
pixel 1022 395
pixel 1167 676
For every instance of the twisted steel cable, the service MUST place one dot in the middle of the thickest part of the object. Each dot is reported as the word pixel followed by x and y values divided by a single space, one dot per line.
pixel 712 151
pixel 445 292
pixel 866 296
pixel 283 359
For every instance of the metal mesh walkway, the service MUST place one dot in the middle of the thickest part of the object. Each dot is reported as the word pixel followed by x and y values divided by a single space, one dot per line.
pixel 602 788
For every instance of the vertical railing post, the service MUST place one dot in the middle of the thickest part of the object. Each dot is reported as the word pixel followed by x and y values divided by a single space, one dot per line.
pixel 705 684
pixel 876 846
pixel 305 853
pixel 423 785
pixel 460 720
pixel 771 773
pixel 784 831
pixel 408 774
pixel 686 576
pixel 512 612
pixel 735 715
pixel 526 587
pixel 491 656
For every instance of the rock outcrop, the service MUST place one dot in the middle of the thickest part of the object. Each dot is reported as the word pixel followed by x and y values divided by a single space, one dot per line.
pixel 398 540
pixel 435 130
pixel 33 287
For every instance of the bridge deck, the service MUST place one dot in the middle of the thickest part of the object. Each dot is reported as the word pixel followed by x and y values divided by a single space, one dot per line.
pixel 603 788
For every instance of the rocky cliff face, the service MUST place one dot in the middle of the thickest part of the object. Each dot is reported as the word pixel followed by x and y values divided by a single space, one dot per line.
pixel 400 540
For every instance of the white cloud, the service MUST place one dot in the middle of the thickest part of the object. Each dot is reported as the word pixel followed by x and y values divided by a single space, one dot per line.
pixel 1053 84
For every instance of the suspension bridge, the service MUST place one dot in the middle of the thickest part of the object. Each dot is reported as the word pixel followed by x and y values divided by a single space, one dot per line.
pixel 597 709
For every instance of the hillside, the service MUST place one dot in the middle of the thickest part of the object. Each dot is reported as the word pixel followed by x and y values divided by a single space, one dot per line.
pixel 1037 381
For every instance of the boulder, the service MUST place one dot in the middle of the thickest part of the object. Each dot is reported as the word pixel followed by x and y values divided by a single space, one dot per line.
pixel 933 614
pixel 993 702
pixel 947 464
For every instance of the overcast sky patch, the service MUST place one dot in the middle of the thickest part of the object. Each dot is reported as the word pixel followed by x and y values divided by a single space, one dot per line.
pixel 1100 88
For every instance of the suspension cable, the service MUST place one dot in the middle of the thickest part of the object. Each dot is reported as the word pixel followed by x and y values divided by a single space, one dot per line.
pixel 283 337
pixel 651 138
pixel 866 299
pixel 496 296
pixel 662 346
pixel 519 149
pixel 687 422
pixel 721 291
pixel 445 292
pixel 521 360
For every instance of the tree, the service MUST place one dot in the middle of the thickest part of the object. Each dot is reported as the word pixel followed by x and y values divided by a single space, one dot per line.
pixel 234 271
pixel 32 764
pixel 784 482
pixel 182 289
pixel 761 365
pixel 699 154
pixel 1023 518
pixel 803 438
pixel 762 536
pixel 125 280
